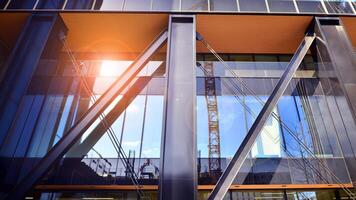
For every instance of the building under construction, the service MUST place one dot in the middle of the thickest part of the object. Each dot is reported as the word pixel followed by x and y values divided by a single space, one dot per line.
pixel 178 99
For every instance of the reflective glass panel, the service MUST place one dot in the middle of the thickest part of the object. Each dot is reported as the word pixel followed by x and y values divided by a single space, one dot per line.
pixel 281 6
pixel 223 5
pixel 310 6
pixel 20 4
pixel 109 5
pixel 252 5
pixel 165 5
pixel 338 6
pixel 79 4
pixel 194 5
pixel 137 5
pixel 50 4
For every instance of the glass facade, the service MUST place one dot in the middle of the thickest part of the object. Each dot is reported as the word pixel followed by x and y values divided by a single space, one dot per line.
pixel 264 6
pixel 308 139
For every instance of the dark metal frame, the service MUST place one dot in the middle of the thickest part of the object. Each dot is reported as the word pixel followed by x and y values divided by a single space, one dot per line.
pixel 234 166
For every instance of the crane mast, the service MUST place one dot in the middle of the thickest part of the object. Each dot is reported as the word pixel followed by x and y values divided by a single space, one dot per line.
pixel 213 121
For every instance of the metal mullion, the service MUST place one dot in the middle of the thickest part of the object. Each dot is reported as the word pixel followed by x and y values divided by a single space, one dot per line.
pixel 75 133
pixel 296 6
pixel 237 161
pixel 352 7
pixel 7 4
pixel 64 4
pixel 324 7
pixel 36 4
pixel 267 6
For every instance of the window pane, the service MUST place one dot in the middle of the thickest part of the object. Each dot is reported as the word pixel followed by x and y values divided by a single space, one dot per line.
pixel 109 5
pixel 281 6
pixel 20 4
pixel 79 4
pixel 340 6
pixel 153 127
pixel 138 5
pixel 252 5
pixel 223 5
pixel 50 4
pixel 165 5
pixel 194 5
pixel 310 6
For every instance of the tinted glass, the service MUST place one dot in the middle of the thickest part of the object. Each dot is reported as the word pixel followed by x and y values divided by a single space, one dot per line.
pixel 194 5
pixel 3 3
pixel 137 5
pixel 79 4
pixel 223 5
pixel 310 6
pixel 20 4
pixel 109 5
pixel 165 5
pixel 50 4
pixel 338 6
pixel 281 6
pixel 252 5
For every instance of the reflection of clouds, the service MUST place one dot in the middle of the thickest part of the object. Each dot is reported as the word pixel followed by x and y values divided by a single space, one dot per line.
pixel 151 152
pixel 132 108
pixel 131 143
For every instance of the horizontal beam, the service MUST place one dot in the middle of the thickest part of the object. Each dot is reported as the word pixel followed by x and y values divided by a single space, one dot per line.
pixel 200 187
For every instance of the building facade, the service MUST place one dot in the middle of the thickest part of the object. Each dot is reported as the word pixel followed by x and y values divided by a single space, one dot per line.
pixel 178 99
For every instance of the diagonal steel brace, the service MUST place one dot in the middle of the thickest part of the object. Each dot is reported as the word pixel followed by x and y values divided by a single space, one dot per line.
pixel 75 133
pixel 234 166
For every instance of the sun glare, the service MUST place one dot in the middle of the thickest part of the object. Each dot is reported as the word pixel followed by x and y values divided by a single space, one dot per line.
pixel 113 67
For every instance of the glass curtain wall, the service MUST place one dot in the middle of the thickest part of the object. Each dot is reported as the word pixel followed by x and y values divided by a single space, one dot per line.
pixel 294 146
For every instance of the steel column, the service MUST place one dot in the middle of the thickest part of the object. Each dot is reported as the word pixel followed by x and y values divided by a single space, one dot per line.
pixel 234 166
pixel 178 179
pixel 38 32
pixel 75 133
pixel 336 54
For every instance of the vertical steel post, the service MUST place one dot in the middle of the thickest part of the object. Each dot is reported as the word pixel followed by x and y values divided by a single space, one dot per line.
pixel 234 166
pixel 335 52
pixel 178 178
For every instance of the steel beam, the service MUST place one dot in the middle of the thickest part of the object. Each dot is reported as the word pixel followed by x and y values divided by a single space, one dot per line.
pixel 178 179
pixel 75 133
pixel 234 166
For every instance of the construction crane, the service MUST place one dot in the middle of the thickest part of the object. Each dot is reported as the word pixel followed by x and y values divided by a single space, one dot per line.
pixel 213 122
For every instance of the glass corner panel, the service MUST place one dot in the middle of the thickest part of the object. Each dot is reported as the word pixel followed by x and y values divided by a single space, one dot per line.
pixel 253 5
pixel 223 5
